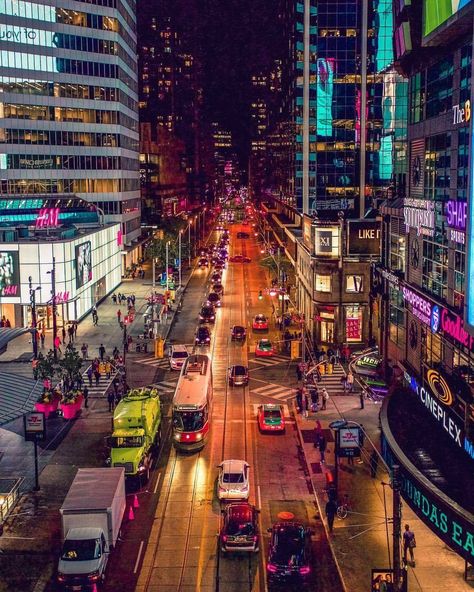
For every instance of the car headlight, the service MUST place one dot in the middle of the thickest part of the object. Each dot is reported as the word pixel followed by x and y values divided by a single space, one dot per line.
pixel 198 436
pixel 177 437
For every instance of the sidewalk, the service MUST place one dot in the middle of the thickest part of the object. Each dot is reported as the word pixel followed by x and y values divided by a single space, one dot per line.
pixel 361 539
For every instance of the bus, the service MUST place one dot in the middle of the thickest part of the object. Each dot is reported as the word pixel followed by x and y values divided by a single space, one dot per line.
pixel 192 404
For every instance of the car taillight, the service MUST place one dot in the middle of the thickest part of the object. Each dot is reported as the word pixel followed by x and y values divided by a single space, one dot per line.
pixel 271 568
pixel 304 571
pixel 61 577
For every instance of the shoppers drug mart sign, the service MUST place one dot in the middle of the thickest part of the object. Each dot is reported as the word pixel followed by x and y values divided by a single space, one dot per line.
pixel 421 307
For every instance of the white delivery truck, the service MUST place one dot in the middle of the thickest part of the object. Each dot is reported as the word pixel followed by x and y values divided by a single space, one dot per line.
pixel 91 516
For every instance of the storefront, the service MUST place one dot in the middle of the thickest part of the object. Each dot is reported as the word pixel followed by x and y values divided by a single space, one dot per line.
pixel 86 268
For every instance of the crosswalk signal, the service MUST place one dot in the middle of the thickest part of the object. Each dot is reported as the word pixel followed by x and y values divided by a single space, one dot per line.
pixel 295 349
pixel 260 295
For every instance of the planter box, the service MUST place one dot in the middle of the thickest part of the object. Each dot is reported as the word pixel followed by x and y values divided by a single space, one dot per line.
pixel 47 408
pixel 70 410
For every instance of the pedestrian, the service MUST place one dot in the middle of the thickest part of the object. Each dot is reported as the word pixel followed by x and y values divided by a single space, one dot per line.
pixel 114 298
pixel 374 461
pixel 111 400
pixel 118 397
pixel 133 299
pixel 124 298
pixel 57 343
pixel 95 318
pixel 322 447
pixel 119 315
pixel 350 381
pixel 101 351
pixel 299 399
pixel 115 353
pixel 314 396
pixel 409 543
pixel 115 384
pixel 318 433
pixel 85 392
pixel 299 374
pixel 361 399
pixel 70 333
pixel 63 331
pixel 108 369
pixel 322 355
pixel 344 382
pixel 304 405
pixel 337 354
pixel 331 510
pixel 97 377
pixel 325 398
pixel 84 349
pixel 42 337
pixel 90 373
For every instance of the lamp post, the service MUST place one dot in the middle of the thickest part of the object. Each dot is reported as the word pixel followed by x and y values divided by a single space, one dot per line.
pixel 167 264
pixel 125 344
pixel 34 332
pixel 179 259
pixel 189 243
pixel 54 307
pixel 195 235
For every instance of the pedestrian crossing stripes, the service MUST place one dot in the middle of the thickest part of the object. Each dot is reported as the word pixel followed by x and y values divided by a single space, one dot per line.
pixel 166 387
pixel 270 361
pixel 151 361
pixel 274 391
pixel 333 382
pixel 99 389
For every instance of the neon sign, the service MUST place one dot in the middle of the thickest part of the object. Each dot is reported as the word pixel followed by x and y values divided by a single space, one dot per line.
pixel 456 213
pixel 453 325
pixel 420 307
pixel 47 218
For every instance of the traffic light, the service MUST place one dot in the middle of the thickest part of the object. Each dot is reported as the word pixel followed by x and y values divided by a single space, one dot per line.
pixel 260 295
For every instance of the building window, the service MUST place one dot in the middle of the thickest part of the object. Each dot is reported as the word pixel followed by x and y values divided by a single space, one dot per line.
pixel 459 289
pixel 354 283
pixel 397 252
pixel 417 97
pixel 397 332
pixel 435 267
pixel 463 163
pixel 439 88
pixel 466 58
pixel 353 324
pixel 323 283
pixel 437 166
pixel 432 348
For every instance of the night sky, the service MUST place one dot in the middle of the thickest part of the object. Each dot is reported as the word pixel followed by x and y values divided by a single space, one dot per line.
pixel 236 39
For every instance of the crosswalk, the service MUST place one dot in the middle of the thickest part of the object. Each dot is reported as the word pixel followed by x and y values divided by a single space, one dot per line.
pixel 155 362
pixel 333 382
pixel 166 387
pixel 274 391
pixel 99 390
pixel 270 361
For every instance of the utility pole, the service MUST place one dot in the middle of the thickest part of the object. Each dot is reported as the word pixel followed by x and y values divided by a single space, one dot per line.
pixel 167 264
pixel 396 525
pixel 179 259
pixel 55 308
pixel 33 318
pixel 189 243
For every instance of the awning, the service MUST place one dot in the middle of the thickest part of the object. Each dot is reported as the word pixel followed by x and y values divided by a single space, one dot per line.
pixel 8 334
pixel 18 395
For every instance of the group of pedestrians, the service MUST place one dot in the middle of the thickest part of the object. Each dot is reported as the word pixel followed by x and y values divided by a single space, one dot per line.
pixel 115 393
pixel 311 398
pixel 99 368
pixel 122 298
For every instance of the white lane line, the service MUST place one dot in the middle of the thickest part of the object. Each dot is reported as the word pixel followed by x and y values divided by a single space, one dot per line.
pixel 259 498
pixel 135 569
pixel 157 483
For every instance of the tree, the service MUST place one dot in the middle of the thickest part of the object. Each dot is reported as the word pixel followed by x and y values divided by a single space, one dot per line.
pixel 70 365
pixel 47 367
pixel 157 248
pixel 271 264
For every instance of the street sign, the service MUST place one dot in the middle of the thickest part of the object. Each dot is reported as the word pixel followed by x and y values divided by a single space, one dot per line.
pixel 348 441
pixel 34 424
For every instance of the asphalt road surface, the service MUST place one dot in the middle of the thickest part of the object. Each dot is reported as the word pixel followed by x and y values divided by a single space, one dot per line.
pixel 172 542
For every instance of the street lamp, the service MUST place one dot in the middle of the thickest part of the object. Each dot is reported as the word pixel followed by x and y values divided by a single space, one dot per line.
pixel 33 316
pixel 167 264
pixel 125 343
pixel 54 307
pixel 189 242
pixel 179 259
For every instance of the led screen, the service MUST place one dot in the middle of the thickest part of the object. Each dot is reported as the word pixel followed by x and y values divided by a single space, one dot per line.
pixel 83 264
pixel 9 273
pixel 436 12
pixel 325 86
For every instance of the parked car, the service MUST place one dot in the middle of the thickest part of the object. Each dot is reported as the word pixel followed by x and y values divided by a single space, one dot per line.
pixel 233 480
pixel 238 375
pixel 271 418
pixel 203 336
pixel 239 532
pixel 289 553
pixel 238 333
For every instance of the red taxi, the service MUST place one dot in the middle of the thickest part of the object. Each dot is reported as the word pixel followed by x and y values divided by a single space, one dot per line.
pixel 260 322
pixel 271 418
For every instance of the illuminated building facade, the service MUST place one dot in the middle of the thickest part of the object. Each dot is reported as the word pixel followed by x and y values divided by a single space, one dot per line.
pixel 69 113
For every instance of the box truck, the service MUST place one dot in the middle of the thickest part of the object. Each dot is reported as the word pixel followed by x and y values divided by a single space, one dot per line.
pixel 91 516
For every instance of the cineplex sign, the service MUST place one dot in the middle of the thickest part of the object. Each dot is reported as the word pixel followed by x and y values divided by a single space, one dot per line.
pixel 438 318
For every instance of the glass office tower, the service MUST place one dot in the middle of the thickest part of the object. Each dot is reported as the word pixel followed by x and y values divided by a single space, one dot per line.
pixel 68 110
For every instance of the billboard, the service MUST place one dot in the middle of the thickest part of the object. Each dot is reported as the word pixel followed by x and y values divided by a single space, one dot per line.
pixel 437 12
pixel 83 264
pixel 364 237
pixel 9 273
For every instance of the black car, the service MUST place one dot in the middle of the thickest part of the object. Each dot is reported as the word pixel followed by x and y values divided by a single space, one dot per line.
pixel 214 299
pixel 239 531
pixel 289 553
pixel 216 277
pixel 203 262
pixel 203 336
pixel 207 314
pixel 238 332
pixel 218 289
pixel 238 375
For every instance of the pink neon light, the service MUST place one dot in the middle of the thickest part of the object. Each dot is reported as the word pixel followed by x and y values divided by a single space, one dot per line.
pixel 47 217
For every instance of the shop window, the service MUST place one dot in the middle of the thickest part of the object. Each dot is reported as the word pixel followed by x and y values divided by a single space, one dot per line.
pixel 432 348
pixel 323 283
pixel 353 324
pixel 354 283
pixel 397 331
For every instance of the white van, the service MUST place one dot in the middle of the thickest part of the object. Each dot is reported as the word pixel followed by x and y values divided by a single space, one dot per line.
pixel 178 355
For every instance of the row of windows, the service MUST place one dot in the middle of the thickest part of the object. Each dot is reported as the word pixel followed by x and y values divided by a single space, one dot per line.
pixel 56 186
pixel 42 63
pixel 353 283
pixel 65 90
pixel 60 138
pixel 68 114
pixel 69 162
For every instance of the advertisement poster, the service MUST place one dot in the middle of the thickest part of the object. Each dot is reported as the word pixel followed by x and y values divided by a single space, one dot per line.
pixel 437 12
pixel 9 273
pixel 364 237
pixel 382 580
pixel 83 264
pixel 353 329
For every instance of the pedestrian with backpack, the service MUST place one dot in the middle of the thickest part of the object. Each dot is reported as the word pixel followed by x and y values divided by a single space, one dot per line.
pixel 325 398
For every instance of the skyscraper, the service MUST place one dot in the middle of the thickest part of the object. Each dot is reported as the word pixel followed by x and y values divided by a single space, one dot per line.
pixel 68 116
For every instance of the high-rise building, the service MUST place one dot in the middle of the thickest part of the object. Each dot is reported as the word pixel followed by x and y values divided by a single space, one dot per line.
pixel 69 115
pixel 422 289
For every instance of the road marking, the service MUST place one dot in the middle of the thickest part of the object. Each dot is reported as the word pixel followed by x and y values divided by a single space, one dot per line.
pixel 157 483
pixel 135 569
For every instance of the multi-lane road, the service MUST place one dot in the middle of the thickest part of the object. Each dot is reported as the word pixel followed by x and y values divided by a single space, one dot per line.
pixel 172 542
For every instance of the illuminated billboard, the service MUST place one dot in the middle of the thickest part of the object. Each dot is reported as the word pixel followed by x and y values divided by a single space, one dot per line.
pixel 9 273
pixel 83 264
pixel 437 12
pixel 325 87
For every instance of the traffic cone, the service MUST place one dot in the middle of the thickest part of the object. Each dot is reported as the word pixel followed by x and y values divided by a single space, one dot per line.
pixel 131 514
pixel 135 501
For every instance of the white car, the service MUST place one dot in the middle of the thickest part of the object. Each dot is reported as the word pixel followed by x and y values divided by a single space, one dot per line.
pixel 233 480
pixel 178 355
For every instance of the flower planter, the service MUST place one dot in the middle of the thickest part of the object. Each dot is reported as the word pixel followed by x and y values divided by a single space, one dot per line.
pixel 48 408
pixel 70 410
